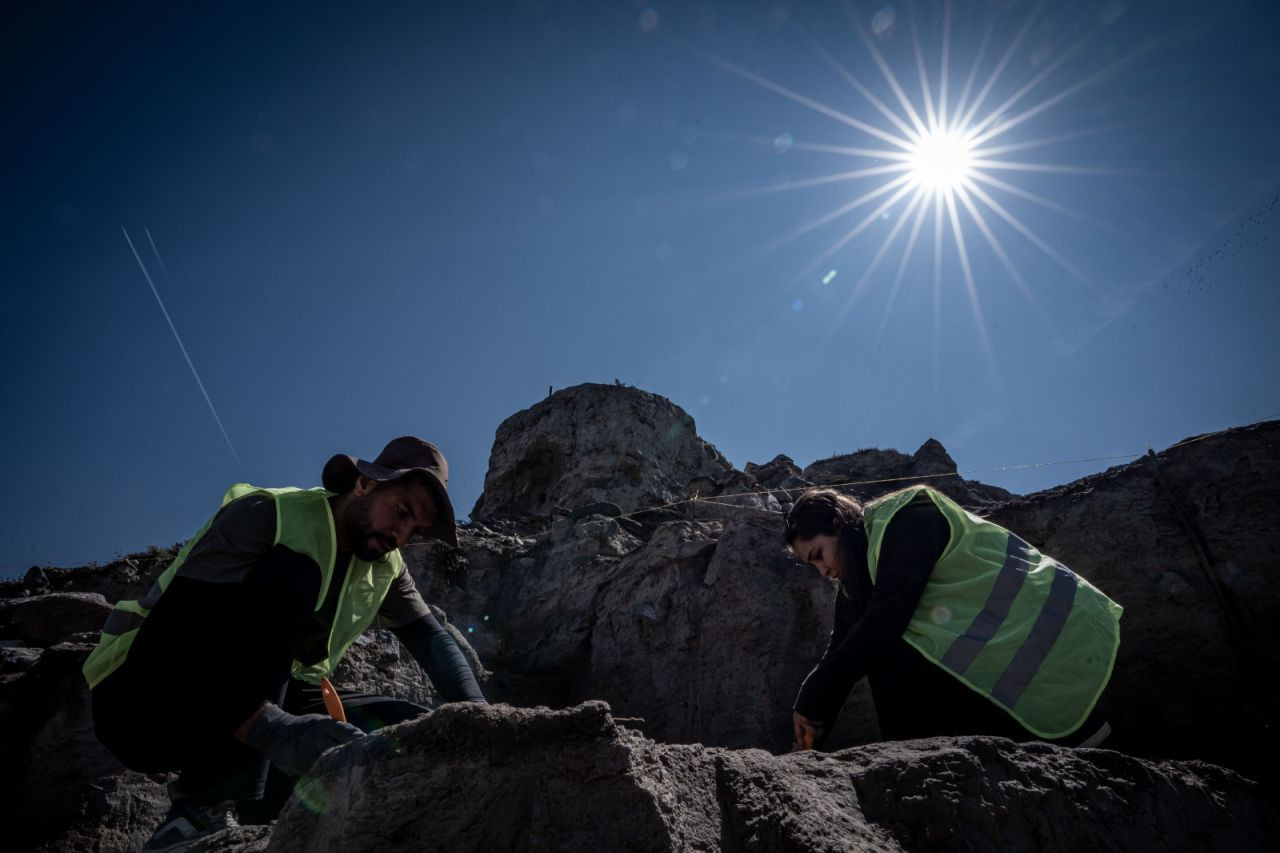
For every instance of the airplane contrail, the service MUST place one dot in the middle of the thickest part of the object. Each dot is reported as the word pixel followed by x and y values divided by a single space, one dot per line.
pixel 176 337
pixel 156 252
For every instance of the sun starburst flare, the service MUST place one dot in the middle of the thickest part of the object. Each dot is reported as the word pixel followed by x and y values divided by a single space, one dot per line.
pixel 934 150
pixel 941 161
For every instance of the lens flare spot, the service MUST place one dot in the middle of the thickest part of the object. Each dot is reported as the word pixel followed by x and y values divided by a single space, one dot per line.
pixel 940 615
pixel 882 23
pixel 797 306
pixel 782 143
pixel 313 795
pixel 829 277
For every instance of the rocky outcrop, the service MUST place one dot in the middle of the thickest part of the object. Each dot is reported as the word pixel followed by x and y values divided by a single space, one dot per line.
pixel 775 473
pixel 871 473
pixel 49 619
pixel 378 664
pixel 705 630
pixel 593 443
pixel 1188 542
pixel 528 603
pixel 500 778
pixel 121 578
pixel 61 788
pixel 1197 659
pixel 697 625
pixel 733 496
pixel 706 639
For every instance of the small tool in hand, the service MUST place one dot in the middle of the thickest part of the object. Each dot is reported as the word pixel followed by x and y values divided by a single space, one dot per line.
pixel 333 702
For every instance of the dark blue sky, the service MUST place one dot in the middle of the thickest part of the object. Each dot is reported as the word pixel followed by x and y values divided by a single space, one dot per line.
pixel 394 219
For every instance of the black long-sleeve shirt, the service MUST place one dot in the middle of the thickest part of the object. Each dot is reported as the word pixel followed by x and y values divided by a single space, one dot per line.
pixel 244 531
pixel 870 619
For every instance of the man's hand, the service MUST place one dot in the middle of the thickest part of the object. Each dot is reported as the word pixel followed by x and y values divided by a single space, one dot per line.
pixel 293 742
pixel 806 731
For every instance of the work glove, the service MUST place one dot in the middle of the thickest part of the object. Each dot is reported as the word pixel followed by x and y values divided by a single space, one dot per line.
pixel 293 742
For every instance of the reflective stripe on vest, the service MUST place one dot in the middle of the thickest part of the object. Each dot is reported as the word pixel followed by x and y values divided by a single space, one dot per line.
pixel 304 524
pixel 1009 622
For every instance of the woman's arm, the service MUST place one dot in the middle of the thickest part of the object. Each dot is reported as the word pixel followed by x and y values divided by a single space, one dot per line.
pixel 914 541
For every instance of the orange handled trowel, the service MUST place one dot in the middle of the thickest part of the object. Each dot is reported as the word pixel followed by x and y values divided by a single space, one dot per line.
pixel 333 702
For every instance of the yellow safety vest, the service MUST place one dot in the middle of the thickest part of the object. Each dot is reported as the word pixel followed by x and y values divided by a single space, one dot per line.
pixel 304 525
pixel 1011 623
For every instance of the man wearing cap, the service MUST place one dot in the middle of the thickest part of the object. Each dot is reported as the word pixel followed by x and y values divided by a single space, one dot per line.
pixel 215 672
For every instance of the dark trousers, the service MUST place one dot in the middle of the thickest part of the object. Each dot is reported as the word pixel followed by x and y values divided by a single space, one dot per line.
pixel 916 698
pixel 203 662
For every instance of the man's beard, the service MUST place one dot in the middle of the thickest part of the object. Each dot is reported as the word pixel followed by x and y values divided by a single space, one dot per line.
pixel 357 523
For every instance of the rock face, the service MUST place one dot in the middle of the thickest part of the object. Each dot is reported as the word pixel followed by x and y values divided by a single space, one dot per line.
pixel 593 443
pixel 46 620
pixel 637 626
pixel 62 789
pixel 500 778
pixel 697 626
pixel 878 471
pixel 1187 540
pixel 700 637
pixel 774 473
pixel 705 630
pixel 378 664
pixel 122 578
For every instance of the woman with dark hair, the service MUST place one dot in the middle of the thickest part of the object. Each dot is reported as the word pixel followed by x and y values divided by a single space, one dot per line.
pixel 960 626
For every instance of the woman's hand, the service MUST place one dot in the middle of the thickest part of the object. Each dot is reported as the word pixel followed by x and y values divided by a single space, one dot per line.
pixel 806 731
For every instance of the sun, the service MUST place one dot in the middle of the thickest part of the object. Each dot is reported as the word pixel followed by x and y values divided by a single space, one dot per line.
pixel 927 158
pixel 941 161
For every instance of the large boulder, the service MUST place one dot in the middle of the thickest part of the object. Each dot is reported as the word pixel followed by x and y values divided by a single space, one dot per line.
pixel 705 630
pixel 708 639
pixel 500 778
pixel 527 603
pixel 594 443
pixel 61 788
pixel 1187 541
pixel 46 620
